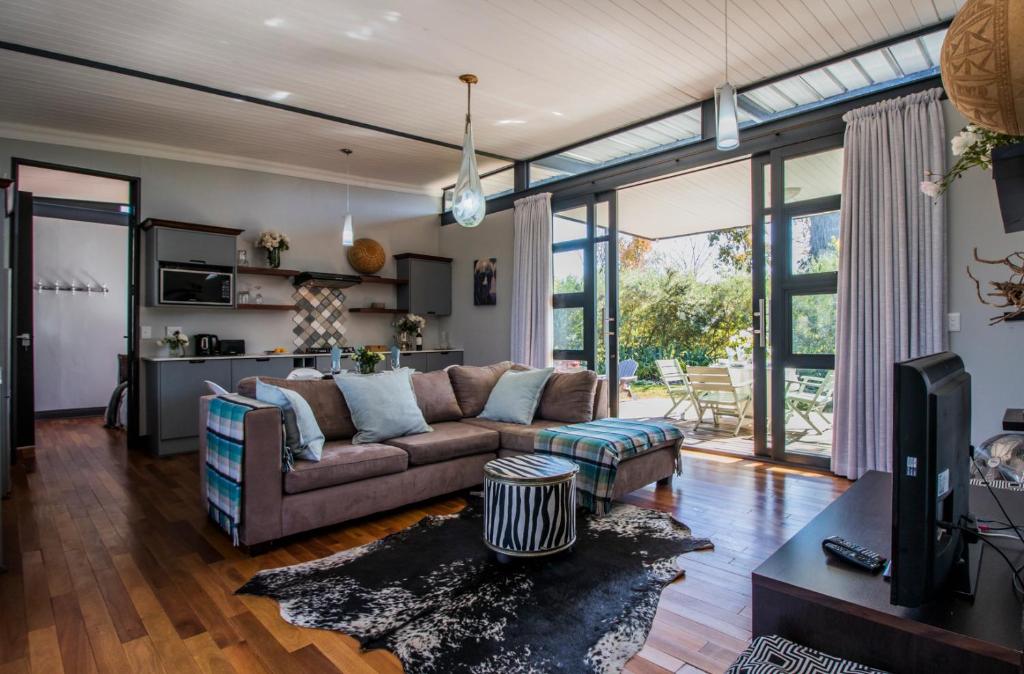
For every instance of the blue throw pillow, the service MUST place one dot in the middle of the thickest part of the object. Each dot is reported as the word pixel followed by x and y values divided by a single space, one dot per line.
pixel 383 405
pixel 516 395
pixel 302 434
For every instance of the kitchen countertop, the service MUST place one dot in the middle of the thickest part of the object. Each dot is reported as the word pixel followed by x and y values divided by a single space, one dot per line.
pixel 163 359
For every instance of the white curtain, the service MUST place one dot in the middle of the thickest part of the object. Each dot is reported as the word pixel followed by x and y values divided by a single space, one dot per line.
pixel 532 339
pixel 892 269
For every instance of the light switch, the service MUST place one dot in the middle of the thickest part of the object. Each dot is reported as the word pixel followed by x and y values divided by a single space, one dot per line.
pixel 171 329
pixel 954 322
pixel 147 331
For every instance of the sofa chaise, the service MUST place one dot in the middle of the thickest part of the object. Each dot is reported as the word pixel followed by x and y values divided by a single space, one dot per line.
pixel 355 480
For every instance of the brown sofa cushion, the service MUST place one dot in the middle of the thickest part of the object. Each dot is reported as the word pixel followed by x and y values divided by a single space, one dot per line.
pixel 568 397
pixel 449 440
pixel 344 462
pixel 514 436
pixel 473 385
pixel 436 397
pixel 324 398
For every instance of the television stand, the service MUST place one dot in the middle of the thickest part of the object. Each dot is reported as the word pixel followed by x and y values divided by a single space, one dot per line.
pixel 801 594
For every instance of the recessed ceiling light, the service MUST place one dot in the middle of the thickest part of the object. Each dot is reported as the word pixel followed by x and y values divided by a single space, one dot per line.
pixel 279 95
pixel 556 113
pixel 361 33
pixel 274 22
pixel 509 122
pixel 392 16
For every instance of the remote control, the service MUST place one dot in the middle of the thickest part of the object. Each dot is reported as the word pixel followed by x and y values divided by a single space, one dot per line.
pixel 853 554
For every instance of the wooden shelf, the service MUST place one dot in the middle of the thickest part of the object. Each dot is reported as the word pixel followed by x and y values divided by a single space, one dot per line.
pixel 265 307
pixel 267 271
pixel 383 280
pixel 369 310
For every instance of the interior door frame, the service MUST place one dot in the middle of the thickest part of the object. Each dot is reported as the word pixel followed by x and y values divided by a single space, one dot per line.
pixel 785 286
pixel 134 437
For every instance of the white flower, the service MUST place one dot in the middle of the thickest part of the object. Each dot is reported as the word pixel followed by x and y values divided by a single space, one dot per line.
pixel 964 140
pixel 931 189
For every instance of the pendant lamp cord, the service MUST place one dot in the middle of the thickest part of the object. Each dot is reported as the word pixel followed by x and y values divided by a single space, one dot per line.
pixel 348 182
pixel 726 40
pixel 469 95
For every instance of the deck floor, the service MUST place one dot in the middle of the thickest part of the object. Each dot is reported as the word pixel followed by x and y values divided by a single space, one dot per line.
pixel 113 566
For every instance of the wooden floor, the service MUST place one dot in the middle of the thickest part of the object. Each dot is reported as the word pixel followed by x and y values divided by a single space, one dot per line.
pixel 114 568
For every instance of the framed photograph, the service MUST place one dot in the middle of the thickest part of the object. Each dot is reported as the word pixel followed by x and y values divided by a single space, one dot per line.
pixel 485 274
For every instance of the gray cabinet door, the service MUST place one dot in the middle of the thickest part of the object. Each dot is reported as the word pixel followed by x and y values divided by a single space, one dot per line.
pixel 258 367
pixel 180 245
pixel 442 359
pixel 181 386
pixel 429 288
pixel 417 361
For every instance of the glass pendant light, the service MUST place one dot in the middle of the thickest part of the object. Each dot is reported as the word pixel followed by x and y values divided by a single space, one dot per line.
pixel 347 234
pixel 468 203
pixel 727 127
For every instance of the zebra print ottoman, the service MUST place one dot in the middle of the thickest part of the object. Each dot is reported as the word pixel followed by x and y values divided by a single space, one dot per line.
pixel 529 505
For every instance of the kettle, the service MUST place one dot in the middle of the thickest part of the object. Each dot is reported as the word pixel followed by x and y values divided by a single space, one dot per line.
pixel 207 345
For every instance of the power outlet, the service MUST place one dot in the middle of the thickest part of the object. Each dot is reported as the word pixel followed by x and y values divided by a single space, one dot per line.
pixel 147 331
pixel 954 322
pixel 171 329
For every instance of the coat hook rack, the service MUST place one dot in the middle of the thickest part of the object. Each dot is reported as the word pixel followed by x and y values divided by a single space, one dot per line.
pixel 60 286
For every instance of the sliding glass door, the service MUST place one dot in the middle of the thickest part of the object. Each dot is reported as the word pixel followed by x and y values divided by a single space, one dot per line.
pixel 796 199
pixel 584 285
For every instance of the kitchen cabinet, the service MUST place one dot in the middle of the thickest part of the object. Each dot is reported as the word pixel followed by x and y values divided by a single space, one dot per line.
pixel 417 361
pixel 173 389
pixel 188 247
pixel 427 290
pixel 439 360
pixel 260 367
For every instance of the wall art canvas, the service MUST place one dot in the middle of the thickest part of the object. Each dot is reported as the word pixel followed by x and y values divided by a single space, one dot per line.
pixel 485 275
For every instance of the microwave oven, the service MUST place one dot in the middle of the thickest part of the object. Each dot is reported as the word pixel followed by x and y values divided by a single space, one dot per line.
pixel 204 286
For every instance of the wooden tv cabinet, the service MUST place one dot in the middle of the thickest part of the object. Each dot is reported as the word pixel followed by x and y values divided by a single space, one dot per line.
pixel 817 601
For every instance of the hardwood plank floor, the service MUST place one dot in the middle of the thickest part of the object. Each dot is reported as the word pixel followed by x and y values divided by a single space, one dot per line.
pixel 113 566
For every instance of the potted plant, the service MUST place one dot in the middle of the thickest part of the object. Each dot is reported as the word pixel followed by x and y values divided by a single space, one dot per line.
pixel 274 243
pixel 1004 154
pixel 408 327
pixel 175 343
pixel 367 360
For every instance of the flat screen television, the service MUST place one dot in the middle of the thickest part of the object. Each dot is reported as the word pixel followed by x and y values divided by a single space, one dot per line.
pixel 931 479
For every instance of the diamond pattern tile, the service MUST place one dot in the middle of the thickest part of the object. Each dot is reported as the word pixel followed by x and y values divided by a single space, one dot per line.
pixel 320 317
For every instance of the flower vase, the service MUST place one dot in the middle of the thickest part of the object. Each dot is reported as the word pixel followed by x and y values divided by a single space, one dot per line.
pixel 405 341
pixel 174 352
pixel 274 257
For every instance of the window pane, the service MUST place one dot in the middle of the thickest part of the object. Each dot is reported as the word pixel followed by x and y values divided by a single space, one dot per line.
pixel 673 131
pixel 569 225
pixel 493 185
pixel 568 272
pixel 814 324
pixel 814 175
pixel 815 243
pixel 808 405
pixel 569 329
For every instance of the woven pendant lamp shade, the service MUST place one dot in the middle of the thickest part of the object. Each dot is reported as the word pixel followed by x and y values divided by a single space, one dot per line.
pixel 983 64
pixel 366 256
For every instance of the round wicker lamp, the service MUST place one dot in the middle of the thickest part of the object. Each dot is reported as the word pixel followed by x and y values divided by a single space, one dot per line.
pixel 366 256
pixel 983 64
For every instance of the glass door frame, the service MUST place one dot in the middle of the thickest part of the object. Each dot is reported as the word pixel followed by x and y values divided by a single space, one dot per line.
pixel 587 300
pixel 784 287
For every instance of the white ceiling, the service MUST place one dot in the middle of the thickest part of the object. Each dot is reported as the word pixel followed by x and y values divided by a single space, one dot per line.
pixel 551 72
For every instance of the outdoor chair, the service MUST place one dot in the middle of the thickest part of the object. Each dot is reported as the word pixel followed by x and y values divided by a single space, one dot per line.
pixel 807 396
pixel 627 375
pixel 674 378
pixel 714 390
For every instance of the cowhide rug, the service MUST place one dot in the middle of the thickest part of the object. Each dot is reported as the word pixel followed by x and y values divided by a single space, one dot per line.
pixel 435 596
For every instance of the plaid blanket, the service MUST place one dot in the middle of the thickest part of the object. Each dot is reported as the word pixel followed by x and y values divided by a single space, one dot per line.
pixel 225 454
pixel 598 447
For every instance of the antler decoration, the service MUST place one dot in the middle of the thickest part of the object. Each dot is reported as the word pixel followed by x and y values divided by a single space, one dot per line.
pixel 1011 293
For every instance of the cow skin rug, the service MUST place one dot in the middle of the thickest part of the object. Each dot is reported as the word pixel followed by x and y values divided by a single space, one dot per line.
pixel 437 598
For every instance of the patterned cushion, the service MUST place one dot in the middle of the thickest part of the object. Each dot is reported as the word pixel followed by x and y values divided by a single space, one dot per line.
pixel 775 655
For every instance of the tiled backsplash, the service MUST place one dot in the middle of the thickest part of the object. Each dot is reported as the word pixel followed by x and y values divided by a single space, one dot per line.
pixel 320 317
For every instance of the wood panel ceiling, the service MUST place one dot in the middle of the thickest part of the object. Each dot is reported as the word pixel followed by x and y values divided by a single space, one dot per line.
pixel 552 71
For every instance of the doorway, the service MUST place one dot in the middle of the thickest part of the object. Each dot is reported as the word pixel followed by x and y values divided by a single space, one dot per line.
pixel 75 269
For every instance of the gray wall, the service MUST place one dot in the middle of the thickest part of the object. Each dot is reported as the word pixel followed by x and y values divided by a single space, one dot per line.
pixel 310 211
pixel 992 354
pixel 484 332
pixel 78 337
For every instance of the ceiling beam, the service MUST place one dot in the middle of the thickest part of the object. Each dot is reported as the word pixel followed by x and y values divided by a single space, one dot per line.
pixel 184 84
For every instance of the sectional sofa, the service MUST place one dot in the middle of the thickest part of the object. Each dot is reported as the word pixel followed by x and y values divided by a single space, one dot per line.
pixel 353 480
